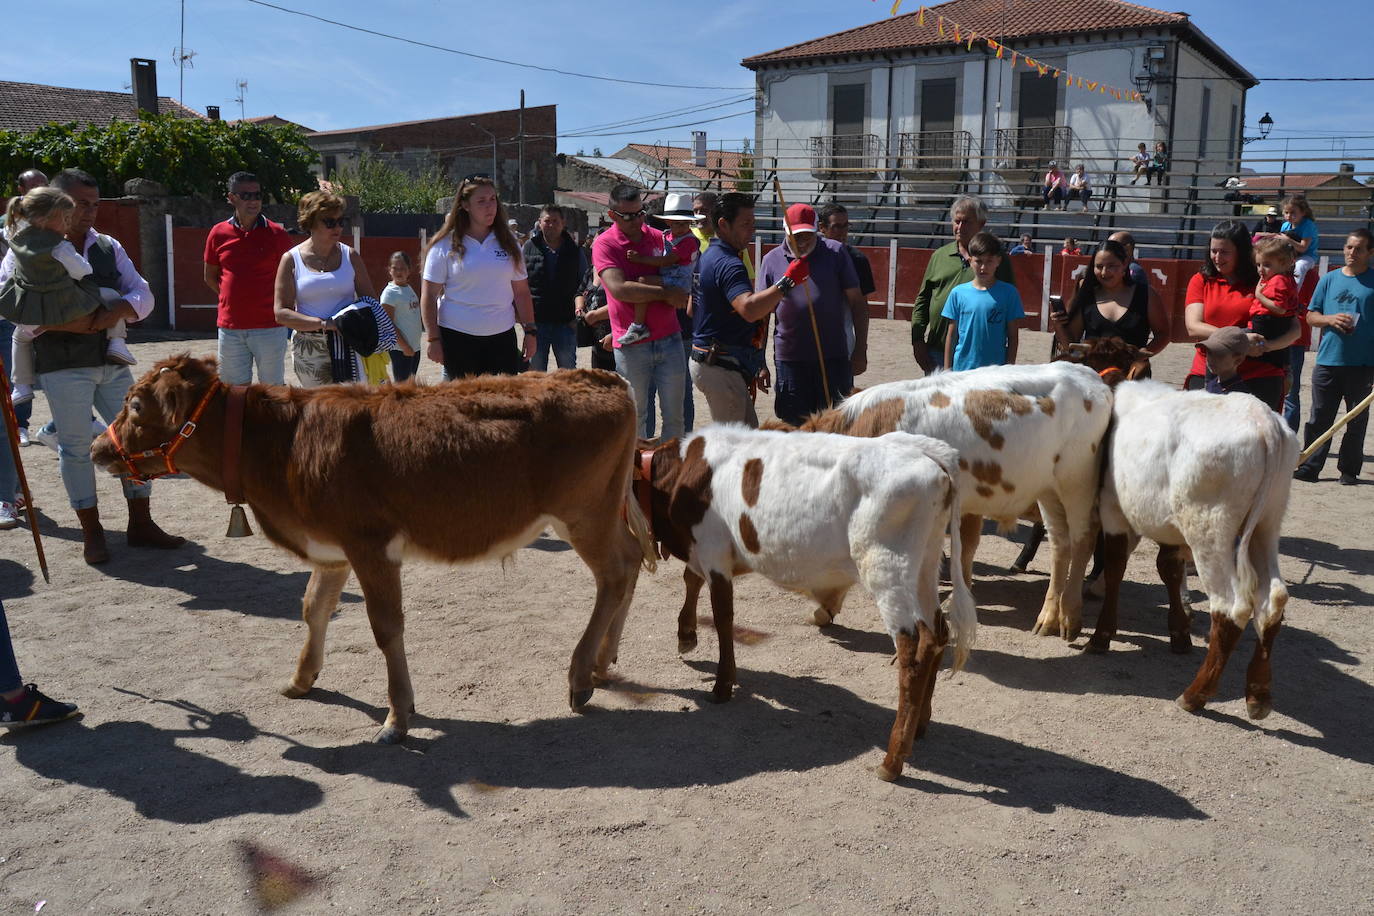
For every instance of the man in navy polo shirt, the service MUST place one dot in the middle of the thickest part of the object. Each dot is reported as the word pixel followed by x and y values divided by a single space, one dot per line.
pixel 832 292
pixel 241 256
pixel 729 318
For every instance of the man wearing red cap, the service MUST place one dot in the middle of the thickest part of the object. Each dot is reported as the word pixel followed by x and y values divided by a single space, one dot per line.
pixel 830 291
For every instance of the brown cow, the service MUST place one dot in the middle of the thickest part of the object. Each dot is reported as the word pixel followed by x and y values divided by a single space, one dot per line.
pixel 364 477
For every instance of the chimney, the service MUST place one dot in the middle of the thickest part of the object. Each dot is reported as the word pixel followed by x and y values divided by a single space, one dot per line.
pixel 144 81
pixel 1348 168
pixel 212 112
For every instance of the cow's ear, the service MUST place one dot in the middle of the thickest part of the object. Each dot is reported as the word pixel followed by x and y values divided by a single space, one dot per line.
pixel 1076 351
pixel 1139 369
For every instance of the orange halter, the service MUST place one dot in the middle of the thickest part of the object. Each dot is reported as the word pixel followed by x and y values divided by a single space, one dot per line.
pixel 167 450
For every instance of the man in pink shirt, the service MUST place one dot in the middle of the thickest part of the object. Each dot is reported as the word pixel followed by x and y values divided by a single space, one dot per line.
pixel 657 361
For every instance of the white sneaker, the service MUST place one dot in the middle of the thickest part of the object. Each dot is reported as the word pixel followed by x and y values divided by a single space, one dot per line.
pixel 118 353
pixel 633 335
pixel 21 394
pixel 97 428
pixel 47 437
pixel 9 518
pixel 24 437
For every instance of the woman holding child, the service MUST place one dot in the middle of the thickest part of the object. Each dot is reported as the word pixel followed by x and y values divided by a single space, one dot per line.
pixel 475 287
pixel 1222 295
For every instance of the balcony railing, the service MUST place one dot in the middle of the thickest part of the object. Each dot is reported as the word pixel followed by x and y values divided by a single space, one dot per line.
pixel 934 149
pixel 1033 147
pixel 842 157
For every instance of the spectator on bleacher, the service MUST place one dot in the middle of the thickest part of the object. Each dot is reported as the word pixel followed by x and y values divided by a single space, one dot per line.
pixel 1220 295
pixel 1071 246
pixel 1140 165
pixel 1297 219
pixel 835 226
pixel 1080 186
pixel 1159 164
pixel 947 268
pixel 1054 191
pixel 1269 224
pixel 241 257
pixel 1109 303
pixel 1025 246
pixel 1133 268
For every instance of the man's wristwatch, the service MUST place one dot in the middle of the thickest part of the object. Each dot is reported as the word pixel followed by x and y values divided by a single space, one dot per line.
pixel 530 327
pixel 785 284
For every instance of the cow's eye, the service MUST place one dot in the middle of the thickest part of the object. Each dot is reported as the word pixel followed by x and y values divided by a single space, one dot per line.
pixel 135 405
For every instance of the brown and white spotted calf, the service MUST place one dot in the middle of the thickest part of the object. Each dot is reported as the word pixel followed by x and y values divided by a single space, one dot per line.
pixel 815 514
pixel 1025 434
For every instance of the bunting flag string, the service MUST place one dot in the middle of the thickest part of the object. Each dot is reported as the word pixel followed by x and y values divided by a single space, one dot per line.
pixel 968 37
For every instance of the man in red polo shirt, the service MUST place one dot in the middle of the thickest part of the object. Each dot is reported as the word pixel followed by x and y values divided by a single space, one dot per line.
pixel 241 257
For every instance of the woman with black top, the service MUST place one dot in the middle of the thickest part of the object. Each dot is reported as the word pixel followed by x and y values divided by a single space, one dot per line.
pixel 594 314
pixel 1109 304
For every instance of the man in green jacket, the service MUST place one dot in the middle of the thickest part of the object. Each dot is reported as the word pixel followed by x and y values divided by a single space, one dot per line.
pixel 948 267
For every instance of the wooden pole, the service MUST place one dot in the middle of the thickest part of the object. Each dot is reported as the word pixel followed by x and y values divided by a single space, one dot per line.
pixel 810 306
pixel 12 433
pixel 1336 427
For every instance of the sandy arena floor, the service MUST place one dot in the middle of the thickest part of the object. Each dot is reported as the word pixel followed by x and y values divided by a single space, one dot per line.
pixel 1050 780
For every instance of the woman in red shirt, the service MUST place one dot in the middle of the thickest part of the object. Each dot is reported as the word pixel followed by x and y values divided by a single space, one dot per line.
pixel 1219 296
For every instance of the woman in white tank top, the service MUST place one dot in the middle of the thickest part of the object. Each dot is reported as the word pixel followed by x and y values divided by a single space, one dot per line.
pixel 315 280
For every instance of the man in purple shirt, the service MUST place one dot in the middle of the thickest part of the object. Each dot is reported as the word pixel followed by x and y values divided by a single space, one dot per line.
pixel 831 291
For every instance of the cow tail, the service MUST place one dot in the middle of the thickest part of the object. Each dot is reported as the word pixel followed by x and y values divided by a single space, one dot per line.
pixel 1279 459
pixel 639 527
pixel 961 615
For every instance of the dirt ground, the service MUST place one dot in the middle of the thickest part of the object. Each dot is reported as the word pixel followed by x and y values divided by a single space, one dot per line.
pixel 1050 780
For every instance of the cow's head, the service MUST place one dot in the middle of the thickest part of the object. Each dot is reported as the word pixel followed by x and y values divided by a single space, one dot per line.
pixel 155 417
pixel 1111 357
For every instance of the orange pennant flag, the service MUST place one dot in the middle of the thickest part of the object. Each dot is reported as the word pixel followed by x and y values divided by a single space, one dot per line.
pixel 957 37
pixel 1042 68
pixel 1014 56
pixel 973 36
pixel 1056 73
pixel 1092 86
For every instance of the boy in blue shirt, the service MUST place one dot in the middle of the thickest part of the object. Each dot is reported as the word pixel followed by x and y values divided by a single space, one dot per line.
pixel 983 313
pixel 1343 307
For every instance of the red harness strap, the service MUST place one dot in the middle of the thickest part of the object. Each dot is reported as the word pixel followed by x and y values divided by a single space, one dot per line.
pixel 643 485
pixel 167 450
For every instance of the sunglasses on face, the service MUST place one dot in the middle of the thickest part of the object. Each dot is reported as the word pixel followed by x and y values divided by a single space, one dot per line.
pixel 631 217
pixel 334 222
pixel 247 195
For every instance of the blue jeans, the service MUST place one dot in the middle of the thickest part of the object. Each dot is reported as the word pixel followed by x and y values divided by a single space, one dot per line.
pixel 689 407
pixel 1292 404
pixel 9 668
pixel 561 338
pixel 9 474
pixel 239 349
pixel 659 364
pixel 71 395
pixel 798 391
pixel 22 412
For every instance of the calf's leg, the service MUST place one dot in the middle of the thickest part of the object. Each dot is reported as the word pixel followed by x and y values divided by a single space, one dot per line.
pixel 1169 564
pixel 970 531
pixel 321 598
pixel 908 708
pixel 628 558
pixel 381 583
pixel 830 604
pixel 687 617
pixel 1115 553
pixel 1225 633
pixel 723 610
pixel 596 539
pixel 1258 700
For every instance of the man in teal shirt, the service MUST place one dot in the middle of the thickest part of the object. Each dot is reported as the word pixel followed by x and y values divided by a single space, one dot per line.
pixel 1343 307
pixel 948 267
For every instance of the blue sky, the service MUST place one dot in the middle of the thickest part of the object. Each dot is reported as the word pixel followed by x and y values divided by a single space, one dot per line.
pixel 327 77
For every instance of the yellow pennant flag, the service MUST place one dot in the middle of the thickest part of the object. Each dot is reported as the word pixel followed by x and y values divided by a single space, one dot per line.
pixel 973 36
pixel 1042 68
pixel 940 25
pixel 921 16
pixel 1014 56
pixel 957 37
pixel 1056 73
pixel 897 4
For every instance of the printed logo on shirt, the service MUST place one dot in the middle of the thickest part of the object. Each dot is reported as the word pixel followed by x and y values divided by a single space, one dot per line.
pixel 1345 297
pixel 502 255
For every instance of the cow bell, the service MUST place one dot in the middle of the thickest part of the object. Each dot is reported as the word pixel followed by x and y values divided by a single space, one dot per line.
pixel 238 524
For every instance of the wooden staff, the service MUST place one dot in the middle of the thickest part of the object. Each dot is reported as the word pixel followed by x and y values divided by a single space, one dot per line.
pixel 810 306
pixel 12 431
pixel 1336 427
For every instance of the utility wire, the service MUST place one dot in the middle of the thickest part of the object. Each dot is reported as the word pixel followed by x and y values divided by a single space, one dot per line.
pixel 494 60
pixel 637 122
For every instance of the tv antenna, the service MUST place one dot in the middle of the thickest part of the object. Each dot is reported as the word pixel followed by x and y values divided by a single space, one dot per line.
pixel 182 57
pixel 242 86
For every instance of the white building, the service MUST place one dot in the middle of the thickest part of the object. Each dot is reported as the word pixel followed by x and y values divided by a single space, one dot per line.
pixel 885 109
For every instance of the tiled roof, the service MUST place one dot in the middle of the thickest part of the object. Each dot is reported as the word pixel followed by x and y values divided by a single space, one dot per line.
pixel 1289 182
pixel 1006 20
pixel 272 120
pixel 718 162
pixel 25 107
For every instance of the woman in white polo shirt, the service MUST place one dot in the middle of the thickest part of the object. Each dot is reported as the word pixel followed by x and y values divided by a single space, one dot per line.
pixel 474 288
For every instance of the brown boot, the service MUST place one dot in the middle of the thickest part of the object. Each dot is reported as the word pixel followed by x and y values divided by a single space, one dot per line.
pixel 94 550
pixel 144 532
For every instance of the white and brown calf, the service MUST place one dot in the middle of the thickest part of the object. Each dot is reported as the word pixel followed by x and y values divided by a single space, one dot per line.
pixel 1025 434
pixel 815 514
pixel 1210 473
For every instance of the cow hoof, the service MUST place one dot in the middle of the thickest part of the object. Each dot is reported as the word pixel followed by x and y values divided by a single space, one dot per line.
pixel 686 645
pixel 1071 633
pixel 1098 645
pixel 1259 707
pixel 821 617
pixel 1045 629
pixel 1188 704
pixel 1180 643
pixel 721 696
pixel 292 692
pixel 579 698
pixel 389 735
pixel 601 679
pixel 887 775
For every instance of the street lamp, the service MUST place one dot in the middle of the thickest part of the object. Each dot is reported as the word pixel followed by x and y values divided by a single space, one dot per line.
pixel 1144 82
pixel 1266 124
pixel 493 147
